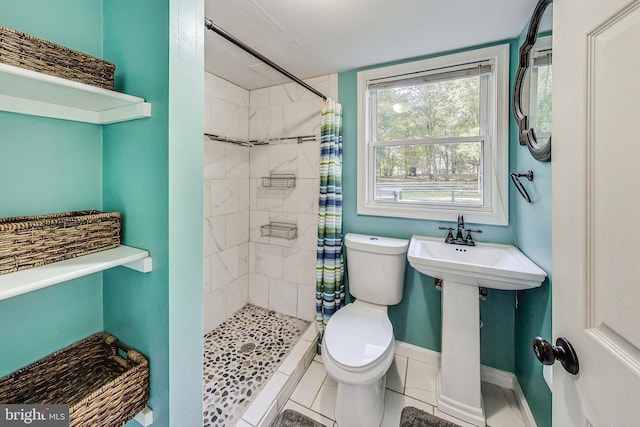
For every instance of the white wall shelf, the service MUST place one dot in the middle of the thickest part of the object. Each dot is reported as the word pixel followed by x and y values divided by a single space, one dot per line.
pixel 28 92
pixel 32 279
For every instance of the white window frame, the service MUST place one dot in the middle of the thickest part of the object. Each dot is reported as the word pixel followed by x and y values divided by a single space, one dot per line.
pixel 496 195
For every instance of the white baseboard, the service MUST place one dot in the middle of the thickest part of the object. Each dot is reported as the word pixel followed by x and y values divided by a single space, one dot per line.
pixel 504 379
pixel 420 354
pixel 498 377
pixel 524 406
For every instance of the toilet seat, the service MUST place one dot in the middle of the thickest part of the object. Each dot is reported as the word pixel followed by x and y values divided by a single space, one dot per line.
pixel 358 336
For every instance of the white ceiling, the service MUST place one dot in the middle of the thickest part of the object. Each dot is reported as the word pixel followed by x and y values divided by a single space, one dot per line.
pixel 316 37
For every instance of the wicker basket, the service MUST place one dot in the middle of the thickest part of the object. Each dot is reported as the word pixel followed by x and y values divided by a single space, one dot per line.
pixel 27 242
pixel 101 387
pixel 25 51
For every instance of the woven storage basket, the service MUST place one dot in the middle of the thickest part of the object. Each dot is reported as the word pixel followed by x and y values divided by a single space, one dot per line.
pixel 101 387
pixel 26 51
pixel 31 241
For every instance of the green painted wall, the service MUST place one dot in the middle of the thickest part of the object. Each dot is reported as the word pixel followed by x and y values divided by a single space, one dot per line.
pixel 417 319
pixel 532 226
pixel 135 174
pixel 79 27
pixel 50 166
pixel 508 331
pixel 153 174
pixel 148 169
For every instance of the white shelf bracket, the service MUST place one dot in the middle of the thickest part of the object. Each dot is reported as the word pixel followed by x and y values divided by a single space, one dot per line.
pixel 144 265
pixel 145 417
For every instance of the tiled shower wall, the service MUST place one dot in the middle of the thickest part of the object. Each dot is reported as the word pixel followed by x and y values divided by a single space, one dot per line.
pixel 281 273
pixel 226 202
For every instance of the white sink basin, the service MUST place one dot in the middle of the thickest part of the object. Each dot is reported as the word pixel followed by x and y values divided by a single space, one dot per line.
pixel 486 265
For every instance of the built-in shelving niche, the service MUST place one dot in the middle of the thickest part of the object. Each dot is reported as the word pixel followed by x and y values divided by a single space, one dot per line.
pixel 28 92
pixel 31 93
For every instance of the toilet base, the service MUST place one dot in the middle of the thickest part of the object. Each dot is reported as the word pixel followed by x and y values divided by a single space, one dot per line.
pixel 360 405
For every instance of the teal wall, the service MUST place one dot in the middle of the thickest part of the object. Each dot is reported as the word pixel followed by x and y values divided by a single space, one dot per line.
pixel 153 174
pixel 136 305
pixel 508 331
pixel 531 223
pixel 148 169
pixel 417 319
pixel 50 166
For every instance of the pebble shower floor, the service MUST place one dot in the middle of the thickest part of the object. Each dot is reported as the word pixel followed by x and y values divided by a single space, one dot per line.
pixel 240 356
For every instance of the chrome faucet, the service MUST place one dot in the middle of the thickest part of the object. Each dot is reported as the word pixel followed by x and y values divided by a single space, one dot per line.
pixel 460 239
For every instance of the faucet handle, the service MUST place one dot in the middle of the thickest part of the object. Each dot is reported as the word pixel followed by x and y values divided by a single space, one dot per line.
pixel 469 239
pixel 449 237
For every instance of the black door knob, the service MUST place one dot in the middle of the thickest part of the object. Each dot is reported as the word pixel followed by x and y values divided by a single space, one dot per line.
pixel 562 351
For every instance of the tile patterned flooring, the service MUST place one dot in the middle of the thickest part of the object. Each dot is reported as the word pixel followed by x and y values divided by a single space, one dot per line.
pixel 410 382
pixel 283 372
pixel 240 356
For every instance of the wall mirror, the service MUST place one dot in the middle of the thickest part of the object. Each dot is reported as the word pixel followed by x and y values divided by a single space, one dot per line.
pixel 532 89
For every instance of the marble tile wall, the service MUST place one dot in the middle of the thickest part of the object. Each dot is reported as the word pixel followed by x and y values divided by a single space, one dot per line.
pixel 282 272
pixel 226 202
pixel 240 266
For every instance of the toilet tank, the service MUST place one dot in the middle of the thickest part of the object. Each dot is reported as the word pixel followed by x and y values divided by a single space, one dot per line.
pixel 375 267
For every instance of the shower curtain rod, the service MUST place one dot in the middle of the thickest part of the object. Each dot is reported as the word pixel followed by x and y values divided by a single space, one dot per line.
pixel 208 23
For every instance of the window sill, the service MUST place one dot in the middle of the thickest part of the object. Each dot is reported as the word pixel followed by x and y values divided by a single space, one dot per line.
pixel 441 213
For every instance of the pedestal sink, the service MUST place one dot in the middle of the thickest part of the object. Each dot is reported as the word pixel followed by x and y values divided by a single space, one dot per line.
pixel 463 269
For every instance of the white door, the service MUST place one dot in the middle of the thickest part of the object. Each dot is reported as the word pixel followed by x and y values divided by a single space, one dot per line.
pixel 596 209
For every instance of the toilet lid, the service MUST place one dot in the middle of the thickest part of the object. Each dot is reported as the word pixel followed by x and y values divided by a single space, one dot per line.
pixel 356 336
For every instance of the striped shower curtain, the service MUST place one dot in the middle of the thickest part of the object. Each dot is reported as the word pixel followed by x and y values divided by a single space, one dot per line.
pixel 330 260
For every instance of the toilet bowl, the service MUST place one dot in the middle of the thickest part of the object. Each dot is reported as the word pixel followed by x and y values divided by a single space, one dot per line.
pixel 357 351
pixel 358 345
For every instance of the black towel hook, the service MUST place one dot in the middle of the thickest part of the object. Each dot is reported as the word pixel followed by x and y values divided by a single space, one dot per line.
pixel 515 177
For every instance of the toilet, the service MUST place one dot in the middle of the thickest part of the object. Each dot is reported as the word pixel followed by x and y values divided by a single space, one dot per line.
pixel 358 346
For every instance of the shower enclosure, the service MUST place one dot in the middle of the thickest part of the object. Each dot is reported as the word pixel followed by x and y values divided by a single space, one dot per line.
pixel 261 184
pixel 242 194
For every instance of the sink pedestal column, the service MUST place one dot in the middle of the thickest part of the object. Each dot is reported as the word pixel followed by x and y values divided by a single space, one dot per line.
pixel 459 392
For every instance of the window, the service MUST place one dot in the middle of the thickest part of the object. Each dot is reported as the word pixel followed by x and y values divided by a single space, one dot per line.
pixel 433 138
